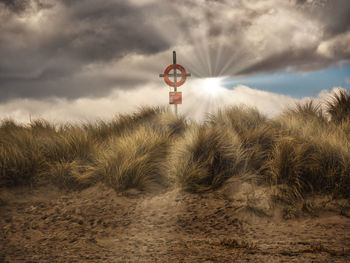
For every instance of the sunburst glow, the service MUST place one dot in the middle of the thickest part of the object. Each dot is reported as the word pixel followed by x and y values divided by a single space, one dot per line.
pixel 212 86
pixel 205 95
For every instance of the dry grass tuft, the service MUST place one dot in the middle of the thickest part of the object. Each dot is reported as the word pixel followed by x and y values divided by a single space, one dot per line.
pixel 207 157
pixel 338 106
pixel 70 156
pixel 257 134
pixel 135 160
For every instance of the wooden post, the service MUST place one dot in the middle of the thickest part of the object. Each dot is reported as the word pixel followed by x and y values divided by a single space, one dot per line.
pixel 175 77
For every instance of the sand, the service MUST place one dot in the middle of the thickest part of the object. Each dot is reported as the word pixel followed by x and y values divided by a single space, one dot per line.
pixel 98 225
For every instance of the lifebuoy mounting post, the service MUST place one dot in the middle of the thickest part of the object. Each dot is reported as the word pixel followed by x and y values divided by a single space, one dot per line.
pixel 175 97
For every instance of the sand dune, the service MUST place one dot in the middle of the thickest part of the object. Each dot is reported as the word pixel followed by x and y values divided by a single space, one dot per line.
pixel 98 225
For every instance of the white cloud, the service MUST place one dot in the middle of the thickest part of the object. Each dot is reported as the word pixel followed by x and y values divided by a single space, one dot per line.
pixel 197 102
pixel 201 103
pixel 82 109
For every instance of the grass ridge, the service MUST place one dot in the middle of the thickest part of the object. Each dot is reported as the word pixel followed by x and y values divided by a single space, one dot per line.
pixel 303 151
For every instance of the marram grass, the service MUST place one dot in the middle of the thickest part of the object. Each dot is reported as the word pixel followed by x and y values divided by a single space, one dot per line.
pixel 137 159
pixel 303 151
pixel 206 157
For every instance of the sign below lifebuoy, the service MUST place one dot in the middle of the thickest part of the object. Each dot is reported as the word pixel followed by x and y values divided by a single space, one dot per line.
pixel 175 97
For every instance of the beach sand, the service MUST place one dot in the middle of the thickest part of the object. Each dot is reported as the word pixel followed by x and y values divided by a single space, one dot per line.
pixel 99 225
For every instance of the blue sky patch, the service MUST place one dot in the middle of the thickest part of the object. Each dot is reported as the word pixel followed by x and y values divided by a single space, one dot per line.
pixel 297 85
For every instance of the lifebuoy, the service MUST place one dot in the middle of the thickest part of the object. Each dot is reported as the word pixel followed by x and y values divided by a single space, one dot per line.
pixel 183 75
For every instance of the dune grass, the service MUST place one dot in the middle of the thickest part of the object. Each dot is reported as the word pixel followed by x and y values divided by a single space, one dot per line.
pixel 256 132
pixel 128 151
pixel 339 106
pixel 208 156
pixel 311 154
pixel 302 152
pixel 137 159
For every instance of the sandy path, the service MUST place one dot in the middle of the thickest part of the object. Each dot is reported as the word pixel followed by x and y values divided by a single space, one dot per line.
pixel 97 225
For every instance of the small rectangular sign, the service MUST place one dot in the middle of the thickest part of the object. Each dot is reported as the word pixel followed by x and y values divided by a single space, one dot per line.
pixel 175 97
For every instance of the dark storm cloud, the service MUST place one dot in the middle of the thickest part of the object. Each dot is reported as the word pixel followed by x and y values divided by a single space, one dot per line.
pixel 333 17
pixel 77 48
pixel 43 61
pixel 303 59
pixel 20 6
pixel 16 6
pixel 334 14
pixel 301 1
pixel 109 30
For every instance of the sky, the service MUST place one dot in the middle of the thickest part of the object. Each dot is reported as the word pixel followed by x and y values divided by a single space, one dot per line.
pixel 77 60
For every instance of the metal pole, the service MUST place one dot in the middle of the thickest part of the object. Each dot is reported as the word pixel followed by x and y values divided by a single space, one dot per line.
pixel 175 77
